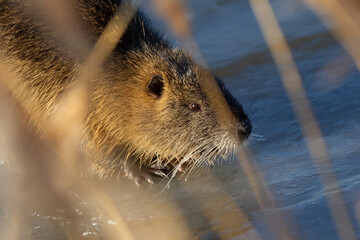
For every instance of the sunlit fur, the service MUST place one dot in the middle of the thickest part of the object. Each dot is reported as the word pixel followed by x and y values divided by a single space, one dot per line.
pixel 124 125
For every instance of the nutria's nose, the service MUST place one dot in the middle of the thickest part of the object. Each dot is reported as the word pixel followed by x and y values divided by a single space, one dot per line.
pixel 245 128
pixel 244 125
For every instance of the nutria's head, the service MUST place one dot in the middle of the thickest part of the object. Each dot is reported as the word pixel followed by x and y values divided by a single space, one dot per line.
pixel 161 104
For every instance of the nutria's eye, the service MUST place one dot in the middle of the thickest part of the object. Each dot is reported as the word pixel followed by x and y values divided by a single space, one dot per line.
pixel 155 86
pixel 195 107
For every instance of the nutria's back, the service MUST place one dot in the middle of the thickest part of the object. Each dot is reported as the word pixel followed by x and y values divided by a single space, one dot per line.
pixel 148 104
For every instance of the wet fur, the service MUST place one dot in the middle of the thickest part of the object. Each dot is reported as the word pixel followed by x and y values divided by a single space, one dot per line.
pixel 124 124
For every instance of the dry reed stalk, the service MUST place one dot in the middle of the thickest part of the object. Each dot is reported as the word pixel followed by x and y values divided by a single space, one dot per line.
pixel 310 128
pixel 336 70
pixel 223 211
pixel 72 108
pixel 183 31
pixel 343 19
pixel 278 223
pixel 58 15
pixel 166 217
pixel 35 186
pixel 175 13
pixel 255 179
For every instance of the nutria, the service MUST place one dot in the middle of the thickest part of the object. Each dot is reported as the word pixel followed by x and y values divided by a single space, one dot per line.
pixel 148 106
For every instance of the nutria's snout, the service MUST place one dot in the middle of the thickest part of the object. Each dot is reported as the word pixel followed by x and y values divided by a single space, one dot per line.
pixel 244 125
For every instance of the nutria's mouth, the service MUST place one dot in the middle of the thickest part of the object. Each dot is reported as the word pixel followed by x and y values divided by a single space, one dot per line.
pixel 204 157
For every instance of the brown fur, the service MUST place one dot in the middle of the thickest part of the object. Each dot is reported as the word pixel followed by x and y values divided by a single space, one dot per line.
pixel 124 124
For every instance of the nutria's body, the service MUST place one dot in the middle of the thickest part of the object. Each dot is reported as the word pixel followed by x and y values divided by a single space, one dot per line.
pixel 148 102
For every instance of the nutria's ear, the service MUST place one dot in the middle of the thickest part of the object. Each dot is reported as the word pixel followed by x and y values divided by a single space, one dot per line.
pixel 155 86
